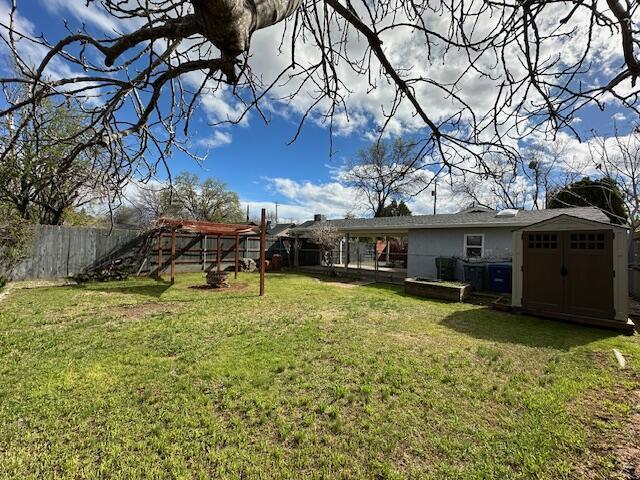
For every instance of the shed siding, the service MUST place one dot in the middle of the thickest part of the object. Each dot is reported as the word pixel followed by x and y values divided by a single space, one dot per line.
pixel 427 244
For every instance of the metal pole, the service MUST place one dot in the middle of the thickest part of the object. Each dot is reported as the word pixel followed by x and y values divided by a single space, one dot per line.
pixel 347 255
pixel 375 263
pixel 435 194
pixel 237 255
pixel 388 250
pixel 173 257
pixel 203 249
pixel 218 253
pixel 263 238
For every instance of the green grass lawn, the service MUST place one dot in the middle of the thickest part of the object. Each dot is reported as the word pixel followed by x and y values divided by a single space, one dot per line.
pixel 139 379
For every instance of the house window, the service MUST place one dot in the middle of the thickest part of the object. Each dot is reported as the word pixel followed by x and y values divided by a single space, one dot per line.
pixel 473 245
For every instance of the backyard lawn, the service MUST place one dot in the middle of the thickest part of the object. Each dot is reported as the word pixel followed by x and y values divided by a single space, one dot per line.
pixel 139 379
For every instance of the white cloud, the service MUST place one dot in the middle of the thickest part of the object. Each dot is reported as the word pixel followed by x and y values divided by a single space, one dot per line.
pixel 619 117
pixel 89 13
pixel 218 139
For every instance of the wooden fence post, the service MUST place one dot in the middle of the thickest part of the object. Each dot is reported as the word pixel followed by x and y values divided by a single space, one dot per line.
pixel 263 234
pixel 160 259
pixel 237 254
pixel 173 257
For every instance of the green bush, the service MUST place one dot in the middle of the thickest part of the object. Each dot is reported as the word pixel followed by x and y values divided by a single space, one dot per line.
pixel 3 281
pixel 16 239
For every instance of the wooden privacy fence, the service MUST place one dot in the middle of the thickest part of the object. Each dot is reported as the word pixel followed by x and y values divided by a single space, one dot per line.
pixel 60 251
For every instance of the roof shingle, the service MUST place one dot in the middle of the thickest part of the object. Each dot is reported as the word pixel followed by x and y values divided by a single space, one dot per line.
pixel 457 220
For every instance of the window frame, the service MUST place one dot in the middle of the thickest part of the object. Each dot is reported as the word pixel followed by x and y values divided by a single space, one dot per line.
pixel 465 246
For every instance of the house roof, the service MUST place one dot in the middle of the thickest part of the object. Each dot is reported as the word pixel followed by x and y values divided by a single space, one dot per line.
pixel 465 219
pixel 281 228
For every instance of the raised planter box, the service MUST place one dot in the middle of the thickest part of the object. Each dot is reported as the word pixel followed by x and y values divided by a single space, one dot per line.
pixel 442 290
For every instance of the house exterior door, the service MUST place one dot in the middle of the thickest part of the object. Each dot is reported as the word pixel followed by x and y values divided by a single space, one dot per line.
pixel 568 274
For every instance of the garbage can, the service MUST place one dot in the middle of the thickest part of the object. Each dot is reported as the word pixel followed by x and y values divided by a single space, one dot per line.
pixel 500 277
pixel 446 268
pixel 474 274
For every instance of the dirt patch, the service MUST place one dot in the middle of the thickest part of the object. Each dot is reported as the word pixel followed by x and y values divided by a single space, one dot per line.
pixel 628 453
pixel 235 287
pixel 345 283
pixel 620 443
pixel 29 284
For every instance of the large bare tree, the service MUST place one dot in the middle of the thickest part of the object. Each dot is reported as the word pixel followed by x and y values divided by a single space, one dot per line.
pixel 618 158
pixel 140 87
pixel 386 171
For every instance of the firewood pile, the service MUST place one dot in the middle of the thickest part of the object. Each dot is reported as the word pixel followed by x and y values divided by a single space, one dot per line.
pixel 218 279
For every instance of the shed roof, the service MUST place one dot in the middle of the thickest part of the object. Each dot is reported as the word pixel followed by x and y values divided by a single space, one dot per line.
pixel 465 219
pixel 208 228
pixel 577 223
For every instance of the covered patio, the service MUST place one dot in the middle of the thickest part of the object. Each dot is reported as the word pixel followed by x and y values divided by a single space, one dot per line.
pixel 379 252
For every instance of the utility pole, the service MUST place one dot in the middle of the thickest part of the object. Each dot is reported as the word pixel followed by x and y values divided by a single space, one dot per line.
pixel 434 193
pixel 247 213
pixel 276 221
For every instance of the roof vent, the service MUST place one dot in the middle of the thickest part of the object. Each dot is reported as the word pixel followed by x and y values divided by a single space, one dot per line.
pixel 508 212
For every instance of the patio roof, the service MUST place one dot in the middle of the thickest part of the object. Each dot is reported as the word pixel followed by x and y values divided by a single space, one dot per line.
pixel 209 228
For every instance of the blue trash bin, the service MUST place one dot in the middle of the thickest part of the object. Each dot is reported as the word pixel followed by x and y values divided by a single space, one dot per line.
pixel 500 277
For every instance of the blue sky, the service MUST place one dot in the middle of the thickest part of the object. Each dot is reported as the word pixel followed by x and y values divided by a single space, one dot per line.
pixel 255 160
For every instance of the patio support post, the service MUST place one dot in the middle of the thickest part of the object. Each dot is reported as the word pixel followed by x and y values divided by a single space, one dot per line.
pixel 160 259
pixel 388 246
pixel 218 253
pixel 375 260
pixel 237 254
pixel 173 256
pixel 203 244
pixel 263 232
pixel 347 254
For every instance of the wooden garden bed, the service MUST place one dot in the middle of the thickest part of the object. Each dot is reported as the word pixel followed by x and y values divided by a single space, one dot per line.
pixel 443 290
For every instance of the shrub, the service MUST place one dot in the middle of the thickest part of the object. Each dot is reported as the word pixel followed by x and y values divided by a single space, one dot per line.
pixel 16 238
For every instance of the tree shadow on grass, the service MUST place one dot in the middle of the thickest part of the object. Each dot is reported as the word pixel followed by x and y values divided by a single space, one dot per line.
pixel 154 290
pixel 502 327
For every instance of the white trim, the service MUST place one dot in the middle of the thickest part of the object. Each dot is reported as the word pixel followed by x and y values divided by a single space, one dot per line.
pixel 465 246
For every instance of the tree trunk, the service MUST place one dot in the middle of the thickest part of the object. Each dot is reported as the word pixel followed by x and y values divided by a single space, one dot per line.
pixel 229 24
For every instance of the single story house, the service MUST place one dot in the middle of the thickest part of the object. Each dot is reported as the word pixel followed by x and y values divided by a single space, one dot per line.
pixel 568 263
pixel 474 234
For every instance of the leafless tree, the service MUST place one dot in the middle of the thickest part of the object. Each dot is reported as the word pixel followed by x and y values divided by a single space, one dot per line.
pixel 387 170
pixel 541 169
pixel 327 238
pixel 181 50
pixel 618 158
